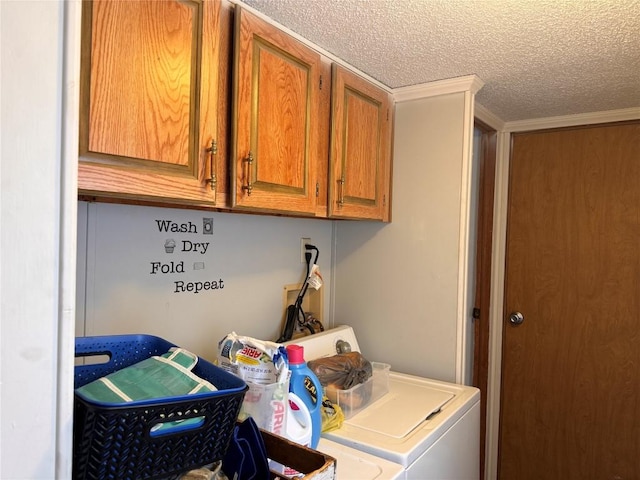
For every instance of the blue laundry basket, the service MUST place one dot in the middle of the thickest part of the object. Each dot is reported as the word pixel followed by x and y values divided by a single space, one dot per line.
pixel 119 441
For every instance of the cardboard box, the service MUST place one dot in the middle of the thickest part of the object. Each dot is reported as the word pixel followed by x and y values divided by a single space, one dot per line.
pixel 313 464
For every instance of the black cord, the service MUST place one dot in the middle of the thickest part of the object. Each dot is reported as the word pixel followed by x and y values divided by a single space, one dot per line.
pixel 296 310
pixel 305 285
pixel 303 290
pixel 308 246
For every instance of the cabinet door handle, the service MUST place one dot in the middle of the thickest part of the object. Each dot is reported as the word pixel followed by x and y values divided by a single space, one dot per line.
pixel 249 161
pixel 341 182
pixel 213 180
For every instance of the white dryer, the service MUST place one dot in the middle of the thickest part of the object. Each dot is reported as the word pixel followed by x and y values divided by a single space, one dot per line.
pixel 354 464
pixel 431 429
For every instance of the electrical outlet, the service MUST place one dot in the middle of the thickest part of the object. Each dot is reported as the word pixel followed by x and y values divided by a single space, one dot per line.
pixel 303 242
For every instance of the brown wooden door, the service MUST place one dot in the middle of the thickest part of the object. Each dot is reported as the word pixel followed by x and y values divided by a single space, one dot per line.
pixel 276 106
pixel 570 404
pixel 360 166
pixel 148 108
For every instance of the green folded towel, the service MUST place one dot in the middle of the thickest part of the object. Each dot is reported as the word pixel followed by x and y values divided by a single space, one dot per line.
pixel 169 375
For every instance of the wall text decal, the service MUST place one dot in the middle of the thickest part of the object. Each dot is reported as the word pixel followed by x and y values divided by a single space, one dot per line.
pixel 174 245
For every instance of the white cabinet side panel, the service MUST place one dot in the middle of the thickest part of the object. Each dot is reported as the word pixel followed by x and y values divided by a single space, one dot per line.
pixel 397 284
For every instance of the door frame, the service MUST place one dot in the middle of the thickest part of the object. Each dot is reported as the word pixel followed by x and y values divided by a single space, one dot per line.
pixel 503 157
pixel 486 163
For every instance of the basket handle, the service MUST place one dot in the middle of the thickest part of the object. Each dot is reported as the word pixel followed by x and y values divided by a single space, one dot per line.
pixel 169 427
pixel 118 350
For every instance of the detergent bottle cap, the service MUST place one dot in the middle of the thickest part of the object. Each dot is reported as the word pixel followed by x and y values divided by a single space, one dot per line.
pixel 295 354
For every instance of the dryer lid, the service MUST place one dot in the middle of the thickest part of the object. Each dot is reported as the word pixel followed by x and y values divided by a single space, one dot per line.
pixel 352 463
pixel 407 405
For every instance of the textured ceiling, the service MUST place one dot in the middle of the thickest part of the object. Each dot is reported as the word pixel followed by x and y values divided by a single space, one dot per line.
pixel 537 58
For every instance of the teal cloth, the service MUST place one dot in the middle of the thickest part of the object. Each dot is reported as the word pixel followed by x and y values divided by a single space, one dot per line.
pixel 156 377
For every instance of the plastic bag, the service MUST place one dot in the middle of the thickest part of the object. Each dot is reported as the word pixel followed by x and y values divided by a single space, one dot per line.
pixel 332 415
pixel 263 365
pixel 253 360
pixel 342 371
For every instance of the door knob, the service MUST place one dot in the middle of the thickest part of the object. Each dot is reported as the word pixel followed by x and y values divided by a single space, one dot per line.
pixel 516 318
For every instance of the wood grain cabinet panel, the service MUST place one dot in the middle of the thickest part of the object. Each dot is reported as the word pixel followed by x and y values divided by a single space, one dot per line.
pixel 296 135
pixel 275 119
pixel 149 87
pixel 360 163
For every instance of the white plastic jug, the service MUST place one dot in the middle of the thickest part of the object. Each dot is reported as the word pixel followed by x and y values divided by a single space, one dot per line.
pixel 298 424
pixel 298 430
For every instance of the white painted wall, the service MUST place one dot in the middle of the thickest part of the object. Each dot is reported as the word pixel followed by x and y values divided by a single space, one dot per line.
pixel 35 222
pixel 398 284
pixel 255 256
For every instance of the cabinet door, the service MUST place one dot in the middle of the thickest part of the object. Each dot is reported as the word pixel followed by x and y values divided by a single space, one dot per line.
pixel 149 86
pixel 360 164
pixel 275 113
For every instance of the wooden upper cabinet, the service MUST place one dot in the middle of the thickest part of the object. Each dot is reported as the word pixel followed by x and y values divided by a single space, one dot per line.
pixel 148 108
pixel 275 118
pixel 360 164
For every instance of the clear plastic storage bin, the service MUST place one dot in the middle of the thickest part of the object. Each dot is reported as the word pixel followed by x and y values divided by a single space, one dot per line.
pixel 355 399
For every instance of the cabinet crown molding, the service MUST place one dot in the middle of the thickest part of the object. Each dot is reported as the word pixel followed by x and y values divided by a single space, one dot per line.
pixel 471 83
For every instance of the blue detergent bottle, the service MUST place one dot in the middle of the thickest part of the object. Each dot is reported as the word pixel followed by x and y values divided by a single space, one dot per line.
pixel 307 387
